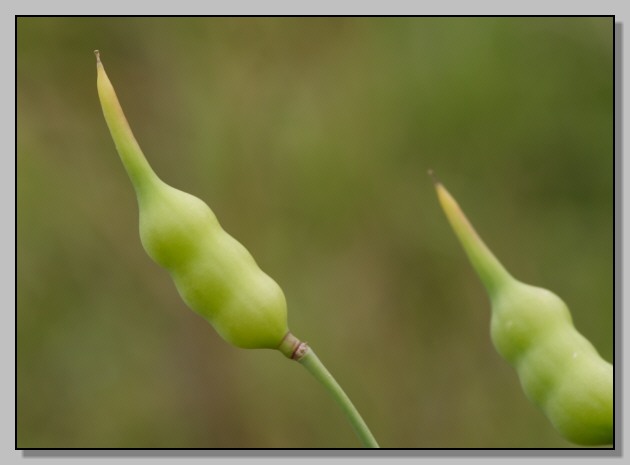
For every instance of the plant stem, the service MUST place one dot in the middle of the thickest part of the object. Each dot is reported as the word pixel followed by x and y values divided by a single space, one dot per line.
pixel 313 364
pixel 299 351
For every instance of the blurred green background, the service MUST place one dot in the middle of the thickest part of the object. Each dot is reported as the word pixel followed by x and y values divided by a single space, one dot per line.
pixel 310 139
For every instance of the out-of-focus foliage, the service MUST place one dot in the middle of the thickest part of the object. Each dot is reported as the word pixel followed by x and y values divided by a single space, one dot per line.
pixel 310 139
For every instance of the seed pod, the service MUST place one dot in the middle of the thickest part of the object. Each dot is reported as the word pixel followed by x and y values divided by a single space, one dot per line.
pixel 559 369
pixel 214 274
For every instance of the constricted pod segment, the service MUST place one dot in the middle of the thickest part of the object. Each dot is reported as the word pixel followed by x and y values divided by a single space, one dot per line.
pixel 559 369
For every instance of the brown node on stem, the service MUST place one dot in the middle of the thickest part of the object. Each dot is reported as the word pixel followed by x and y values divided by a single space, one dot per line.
pixel 292 347
pixel 300 351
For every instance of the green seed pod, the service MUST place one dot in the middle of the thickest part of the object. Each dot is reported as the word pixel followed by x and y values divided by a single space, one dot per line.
pixel 214 274
pixel 559 369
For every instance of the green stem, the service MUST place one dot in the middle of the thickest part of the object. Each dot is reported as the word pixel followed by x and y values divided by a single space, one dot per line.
pixel 313 364
pixel 299 351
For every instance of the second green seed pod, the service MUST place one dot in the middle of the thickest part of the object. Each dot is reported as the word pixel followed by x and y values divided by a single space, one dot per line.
pixel 559 369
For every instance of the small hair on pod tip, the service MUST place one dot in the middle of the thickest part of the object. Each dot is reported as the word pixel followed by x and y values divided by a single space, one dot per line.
pixel 434 178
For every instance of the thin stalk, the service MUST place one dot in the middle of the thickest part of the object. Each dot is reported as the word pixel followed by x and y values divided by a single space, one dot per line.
pixel 313 364
pixel 299 351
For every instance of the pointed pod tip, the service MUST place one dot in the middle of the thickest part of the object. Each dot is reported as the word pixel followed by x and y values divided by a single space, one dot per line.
pixel 98 56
